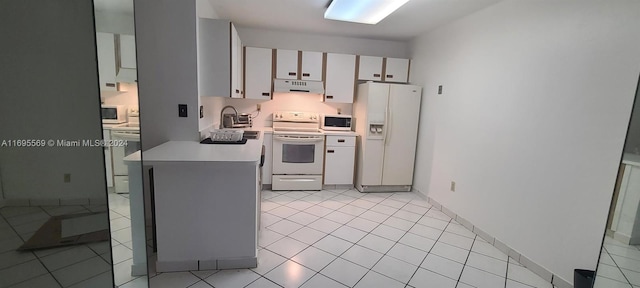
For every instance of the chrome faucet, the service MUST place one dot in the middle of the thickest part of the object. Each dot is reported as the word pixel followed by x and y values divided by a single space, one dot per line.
pixel 221 114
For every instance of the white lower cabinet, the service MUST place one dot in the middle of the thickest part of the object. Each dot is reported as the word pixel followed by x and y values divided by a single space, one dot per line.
pixel 340 153
pixel 108 162
pixel 268 158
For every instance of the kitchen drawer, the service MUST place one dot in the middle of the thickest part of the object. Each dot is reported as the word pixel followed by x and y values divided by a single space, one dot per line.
pixel 333 140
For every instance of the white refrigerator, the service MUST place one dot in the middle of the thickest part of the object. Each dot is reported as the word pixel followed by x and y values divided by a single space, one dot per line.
pixel 386 119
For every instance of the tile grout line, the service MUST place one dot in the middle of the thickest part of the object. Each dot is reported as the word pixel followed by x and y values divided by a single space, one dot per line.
pixel 617 266
pixel 327 234
pixel 34 254
pixel 353 244
pixel 466 260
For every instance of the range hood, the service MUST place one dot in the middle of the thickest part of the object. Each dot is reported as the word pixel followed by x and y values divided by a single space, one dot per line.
pixel 298 86
pixel 127 75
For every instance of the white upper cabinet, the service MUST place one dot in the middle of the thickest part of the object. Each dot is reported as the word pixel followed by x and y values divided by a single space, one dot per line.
pixel 236 64
pixel 219 59
pixel 258 70
pixel 311 66
pixel 128 51
pixel 106 61
pixel 340 78
pixel 370 68
pixel 383 69
pixel 286 64
pixel 396 70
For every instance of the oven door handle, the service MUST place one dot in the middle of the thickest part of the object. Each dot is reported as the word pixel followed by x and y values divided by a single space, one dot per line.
pixel 299 140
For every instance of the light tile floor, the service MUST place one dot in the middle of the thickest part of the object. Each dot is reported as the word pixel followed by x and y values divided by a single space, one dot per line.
pixel 619 265
pixel 343 238
pixel 72 266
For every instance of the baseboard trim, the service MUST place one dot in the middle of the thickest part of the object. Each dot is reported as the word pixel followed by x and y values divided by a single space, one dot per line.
pixel 517 256
pixel 212 264
pixel 337 186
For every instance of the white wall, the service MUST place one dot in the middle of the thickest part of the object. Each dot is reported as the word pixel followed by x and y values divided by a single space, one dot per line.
pixel 315 42
pixel 537 96
pixel 114 22
pixel 128 96
pixel 633 137
pixel 50 91
pixel 167 70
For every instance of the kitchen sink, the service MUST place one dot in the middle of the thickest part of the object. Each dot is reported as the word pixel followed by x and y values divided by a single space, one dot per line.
pixel 251 134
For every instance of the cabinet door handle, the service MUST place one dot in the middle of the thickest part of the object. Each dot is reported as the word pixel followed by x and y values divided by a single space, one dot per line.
pixel 376 75
pixel 292 73
pixel 110 84
pixel 330 151
pixel 266 94
pixel 306 75
pixel 329 97
pixel 389 76
pixel 340 140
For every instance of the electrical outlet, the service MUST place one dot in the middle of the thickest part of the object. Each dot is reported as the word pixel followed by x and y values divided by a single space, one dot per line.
pixel 453 186
pixel 67 177
pixel 439 89
pixel 182 110
pixel 258 107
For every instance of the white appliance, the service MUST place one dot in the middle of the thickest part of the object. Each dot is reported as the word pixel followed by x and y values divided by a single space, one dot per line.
pixel 305 86
pixel 386 117
pixel 298 151
pixel 336 122
pixel 129 132
pixel 113 114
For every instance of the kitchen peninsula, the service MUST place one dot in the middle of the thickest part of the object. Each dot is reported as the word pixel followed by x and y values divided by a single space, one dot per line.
pixel 206 204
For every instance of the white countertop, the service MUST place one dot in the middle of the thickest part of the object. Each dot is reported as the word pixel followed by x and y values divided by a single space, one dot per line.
pixel 192 151
pixel 133 157
pixel 631 159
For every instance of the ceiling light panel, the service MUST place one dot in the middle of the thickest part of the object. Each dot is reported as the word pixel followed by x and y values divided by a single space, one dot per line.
pixel 362 11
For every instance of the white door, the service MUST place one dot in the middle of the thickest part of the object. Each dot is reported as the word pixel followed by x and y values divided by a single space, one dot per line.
pixel 340 79
pixel 311 66
pixel 258 73
pixel 339 164
pixel 370 68
pixel 401 134
pixel 396 70
pixel 286 64
pixel 293 154
pixel 240 68
pixel 235 60
pixel 128 51
pixel 373 142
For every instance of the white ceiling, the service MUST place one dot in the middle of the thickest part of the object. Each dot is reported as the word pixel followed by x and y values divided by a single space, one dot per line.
pixel 410 20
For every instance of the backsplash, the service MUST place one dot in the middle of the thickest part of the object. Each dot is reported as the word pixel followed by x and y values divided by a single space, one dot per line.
pixel 128 96
pixel 280 102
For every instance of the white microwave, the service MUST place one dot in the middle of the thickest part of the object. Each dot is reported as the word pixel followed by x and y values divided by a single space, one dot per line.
pixel 336 122
pixel 113 114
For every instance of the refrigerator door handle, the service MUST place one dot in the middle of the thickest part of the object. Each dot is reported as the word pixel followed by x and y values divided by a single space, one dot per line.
pixel 387 132
pixel 387 121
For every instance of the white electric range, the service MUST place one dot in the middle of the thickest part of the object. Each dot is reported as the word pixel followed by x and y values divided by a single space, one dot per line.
pixel 298 151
